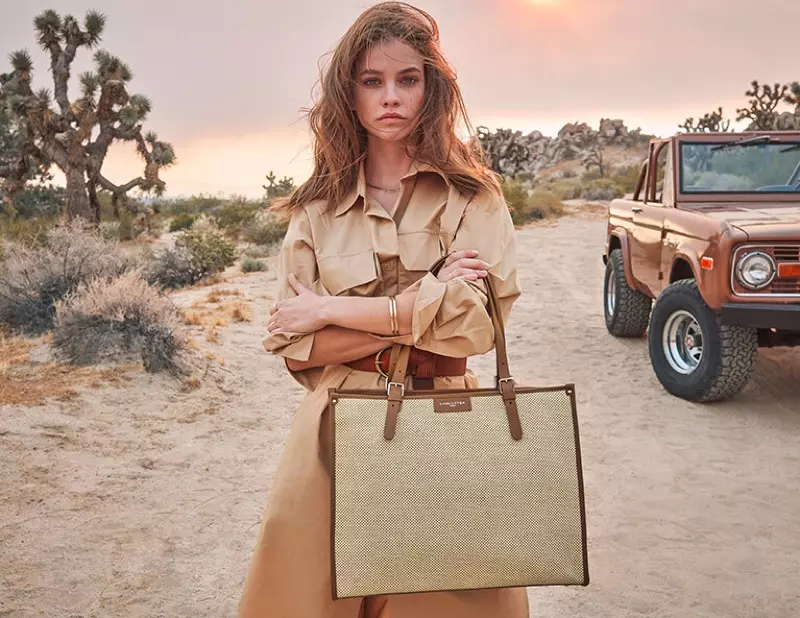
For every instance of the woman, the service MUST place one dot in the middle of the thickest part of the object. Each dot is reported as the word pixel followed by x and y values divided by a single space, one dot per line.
pixel 392 190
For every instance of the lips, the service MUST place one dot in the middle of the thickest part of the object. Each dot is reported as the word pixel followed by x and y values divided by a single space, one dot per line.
pixel 391 116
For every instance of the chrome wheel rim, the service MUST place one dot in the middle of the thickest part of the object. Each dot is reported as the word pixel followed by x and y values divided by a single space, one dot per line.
pixel 611 293
pixel 682 340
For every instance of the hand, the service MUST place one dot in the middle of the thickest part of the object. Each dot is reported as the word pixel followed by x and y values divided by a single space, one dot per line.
pixel 301 314
pixel 463 265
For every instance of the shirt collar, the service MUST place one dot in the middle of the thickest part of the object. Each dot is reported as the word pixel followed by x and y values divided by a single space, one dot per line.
pixel 359 188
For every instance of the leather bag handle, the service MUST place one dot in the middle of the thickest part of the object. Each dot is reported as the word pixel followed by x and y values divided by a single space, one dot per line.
pixel 504 383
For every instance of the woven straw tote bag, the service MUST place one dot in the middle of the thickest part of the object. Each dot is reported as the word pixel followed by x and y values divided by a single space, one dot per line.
pixel 456 489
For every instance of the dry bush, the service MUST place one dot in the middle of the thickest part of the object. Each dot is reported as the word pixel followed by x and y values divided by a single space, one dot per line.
pixel 118 320
pixel 250 265
pixel 205 224
pixel 215 296
pixel 212 335
pixel 34 277
pixel 525 207
pixel 173 269
pixel 193 318
pixel 183 221
pixel 210 251
pixel 602 189
pixel 543 204
pixel 13 351
pixel 266 229
pixel 565 188
pixel 240 311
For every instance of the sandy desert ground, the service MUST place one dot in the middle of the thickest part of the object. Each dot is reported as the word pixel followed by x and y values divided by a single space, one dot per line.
pixel 142 498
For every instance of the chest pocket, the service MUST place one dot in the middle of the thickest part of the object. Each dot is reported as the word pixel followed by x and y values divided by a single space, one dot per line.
pixel 419 250
pixel 344 274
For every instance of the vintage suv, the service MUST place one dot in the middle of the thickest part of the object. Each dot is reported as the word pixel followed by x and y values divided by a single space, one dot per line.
pixel 705 257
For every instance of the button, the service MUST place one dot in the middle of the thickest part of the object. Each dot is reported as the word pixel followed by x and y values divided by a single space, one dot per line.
pixel 387 266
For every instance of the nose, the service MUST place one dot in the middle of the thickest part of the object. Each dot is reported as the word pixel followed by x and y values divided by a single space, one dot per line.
pixel 390 96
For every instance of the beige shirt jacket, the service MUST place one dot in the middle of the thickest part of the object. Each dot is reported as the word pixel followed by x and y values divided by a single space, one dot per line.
pixel 357 249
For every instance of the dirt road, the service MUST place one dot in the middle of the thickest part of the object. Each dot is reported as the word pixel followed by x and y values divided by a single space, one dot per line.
pixel 144 499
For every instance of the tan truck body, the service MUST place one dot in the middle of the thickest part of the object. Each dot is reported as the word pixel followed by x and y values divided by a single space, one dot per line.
pixel 677 232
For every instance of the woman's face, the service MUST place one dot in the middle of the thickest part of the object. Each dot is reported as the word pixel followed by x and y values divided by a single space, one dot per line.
pixel 389 89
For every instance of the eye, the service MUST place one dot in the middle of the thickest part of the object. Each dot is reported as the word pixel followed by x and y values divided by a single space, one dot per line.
pixel 410 80
pixel 371 81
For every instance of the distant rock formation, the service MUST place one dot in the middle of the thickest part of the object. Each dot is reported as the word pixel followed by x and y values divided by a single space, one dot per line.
pixel 511 153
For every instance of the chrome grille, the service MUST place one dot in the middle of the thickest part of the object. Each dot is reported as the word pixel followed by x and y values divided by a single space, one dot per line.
pixel 785 253
pixel 785 287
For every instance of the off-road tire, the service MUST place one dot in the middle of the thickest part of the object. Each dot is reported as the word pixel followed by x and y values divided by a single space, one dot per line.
pixel 728 356
pixel 631 309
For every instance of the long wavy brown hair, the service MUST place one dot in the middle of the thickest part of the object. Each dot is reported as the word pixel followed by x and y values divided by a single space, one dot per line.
pixel 340 140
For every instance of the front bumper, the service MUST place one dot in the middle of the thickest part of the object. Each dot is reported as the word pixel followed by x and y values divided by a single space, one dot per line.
pixel 779 317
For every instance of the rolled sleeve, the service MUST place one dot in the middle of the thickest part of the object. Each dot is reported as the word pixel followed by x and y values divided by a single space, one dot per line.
pixel 451 318
pixel 297 256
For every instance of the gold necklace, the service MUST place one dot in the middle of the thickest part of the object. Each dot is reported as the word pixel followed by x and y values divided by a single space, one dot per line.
pixel 383 188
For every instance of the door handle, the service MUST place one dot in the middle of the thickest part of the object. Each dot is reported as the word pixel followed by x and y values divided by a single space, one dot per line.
pixel 636 209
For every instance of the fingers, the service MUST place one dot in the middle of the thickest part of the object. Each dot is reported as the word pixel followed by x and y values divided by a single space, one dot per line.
pixel 467 274
pixel 296 285
pixel 458 255
pixel 472 264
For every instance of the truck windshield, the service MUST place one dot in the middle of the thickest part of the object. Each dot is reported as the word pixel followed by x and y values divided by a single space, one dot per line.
pixel 770 167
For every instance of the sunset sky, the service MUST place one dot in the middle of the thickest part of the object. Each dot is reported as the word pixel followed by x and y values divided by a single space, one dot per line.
pixel 228 82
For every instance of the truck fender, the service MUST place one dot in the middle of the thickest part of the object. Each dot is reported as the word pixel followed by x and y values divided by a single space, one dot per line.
pixel 698 274
pixel 619 239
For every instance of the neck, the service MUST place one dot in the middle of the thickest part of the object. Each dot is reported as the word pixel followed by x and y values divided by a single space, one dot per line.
pixel 387 162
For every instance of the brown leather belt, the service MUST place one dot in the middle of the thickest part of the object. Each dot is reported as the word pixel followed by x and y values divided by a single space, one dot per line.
pixel 423 366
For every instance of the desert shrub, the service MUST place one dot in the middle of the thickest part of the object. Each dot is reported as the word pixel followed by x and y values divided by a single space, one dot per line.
pixel 173 268
pixel 626 178
pixel 195 204
pixel 110 230
pixel 565 188
pixel 249 265
pixel 33 277
pixel 524 207
pixel 31 231
pixel 237 214
pixel 210 251
pixel 516 196
pixel 602 189
pixel 267 228
pixel 182 221
pixel 118 320
pixel 543 204
pixel 204 224
pixel 39 201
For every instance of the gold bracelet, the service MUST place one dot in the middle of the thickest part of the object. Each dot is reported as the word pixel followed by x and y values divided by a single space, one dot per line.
pixel 393 318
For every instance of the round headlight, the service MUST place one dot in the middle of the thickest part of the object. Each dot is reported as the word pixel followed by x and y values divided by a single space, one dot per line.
pixel 756 270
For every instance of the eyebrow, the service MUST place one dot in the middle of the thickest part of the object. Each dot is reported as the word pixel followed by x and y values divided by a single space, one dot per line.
pixel 375 72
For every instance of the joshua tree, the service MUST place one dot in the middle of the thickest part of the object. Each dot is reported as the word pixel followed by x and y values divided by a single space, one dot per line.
pixel 76 134
pixel 503 150
pixel 19 164
pixel 763 101
pixel 595 155
pixel 793 98
pixel 277 188
pixel 712 122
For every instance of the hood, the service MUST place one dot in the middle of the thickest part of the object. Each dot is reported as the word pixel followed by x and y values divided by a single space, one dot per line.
pixel 756 219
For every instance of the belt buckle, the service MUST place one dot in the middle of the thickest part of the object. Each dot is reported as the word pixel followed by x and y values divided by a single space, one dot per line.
pixel 378 364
